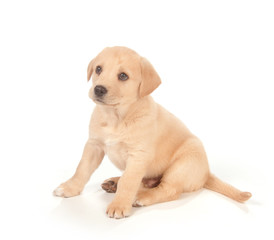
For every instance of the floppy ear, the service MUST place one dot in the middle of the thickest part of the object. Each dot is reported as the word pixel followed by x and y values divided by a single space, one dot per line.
pixel 90 69
pixel 150 78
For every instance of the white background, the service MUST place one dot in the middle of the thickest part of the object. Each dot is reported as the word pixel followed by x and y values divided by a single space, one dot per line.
pixel 216 62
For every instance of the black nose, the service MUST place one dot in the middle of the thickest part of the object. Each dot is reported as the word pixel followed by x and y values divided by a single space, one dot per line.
pixel 100 91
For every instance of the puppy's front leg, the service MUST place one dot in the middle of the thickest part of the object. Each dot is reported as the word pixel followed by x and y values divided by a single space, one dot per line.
pixel 127 188
pixel 92 157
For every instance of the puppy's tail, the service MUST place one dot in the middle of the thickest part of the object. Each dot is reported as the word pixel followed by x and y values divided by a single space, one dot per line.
pixel 216 185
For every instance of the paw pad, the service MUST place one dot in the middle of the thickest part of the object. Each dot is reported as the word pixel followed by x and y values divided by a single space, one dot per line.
pixel 109 186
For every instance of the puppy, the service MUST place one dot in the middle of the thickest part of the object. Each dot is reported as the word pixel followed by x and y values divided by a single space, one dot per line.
pixel 160 158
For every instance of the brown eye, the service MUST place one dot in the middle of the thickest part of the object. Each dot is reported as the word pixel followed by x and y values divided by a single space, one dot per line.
pixel 98 70
pixel 123 77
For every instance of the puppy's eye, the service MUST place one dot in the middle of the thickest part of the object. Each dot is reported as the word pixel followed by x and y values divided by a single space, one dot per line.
pixel 123 77
pixel 98 69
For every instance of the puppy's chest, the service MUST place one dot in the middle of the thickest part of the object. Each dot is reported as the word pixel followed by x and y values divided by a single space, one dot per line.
pixel 115 144
pixel 118 154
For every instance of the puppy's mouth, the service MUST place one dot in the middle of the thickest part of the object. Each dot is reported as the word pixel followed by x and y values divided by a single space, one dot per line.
pixel 102 102
pixel 99 100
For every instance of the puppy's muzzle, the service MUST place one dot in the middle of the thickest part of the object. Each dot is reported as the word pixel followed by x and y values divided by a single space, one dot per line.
pixel 100 91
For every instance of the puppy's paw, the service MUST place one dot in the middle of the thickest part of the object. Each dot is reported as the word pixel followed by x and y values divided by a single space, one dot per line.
pixel 142 199
pixel 59 192
pixel 138 203
pixel 68 189
pixel 110 185
pixel 118 210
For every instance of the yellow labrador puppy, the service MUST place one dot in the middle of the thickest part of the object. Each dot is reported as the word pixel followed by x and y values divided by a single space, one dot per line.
pixel 160 157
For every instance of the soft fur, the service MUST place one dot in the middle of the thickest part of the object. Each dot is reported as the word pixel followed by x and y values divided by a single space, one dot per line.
pixel 141 138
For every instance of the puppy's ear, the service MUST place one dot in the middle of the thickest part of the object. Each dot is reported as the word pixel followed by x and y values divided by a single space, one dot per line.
pixel 90 69
pixel 150 78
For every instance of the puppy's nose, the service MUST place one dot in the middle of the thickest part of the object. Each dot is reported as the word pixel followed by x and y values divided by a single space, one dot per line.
pixel 100 91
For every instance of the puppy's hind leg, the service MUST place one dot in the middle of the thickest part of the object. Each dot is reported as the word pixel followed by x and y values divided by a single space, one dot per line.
pixel 188 173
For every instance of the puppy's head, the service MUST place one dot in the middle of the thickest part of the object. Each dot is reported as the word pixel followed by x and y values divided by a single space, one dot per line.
pixel 120 76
